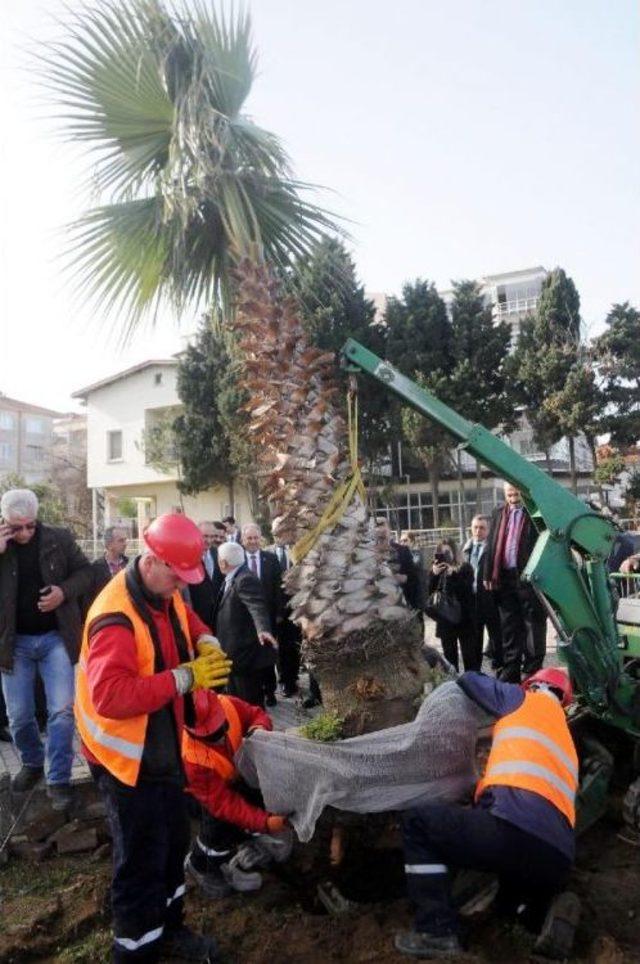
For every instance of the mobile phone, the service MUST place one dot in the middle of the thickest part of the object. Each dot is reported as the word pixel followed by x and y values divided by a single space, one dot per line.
pixel 439 557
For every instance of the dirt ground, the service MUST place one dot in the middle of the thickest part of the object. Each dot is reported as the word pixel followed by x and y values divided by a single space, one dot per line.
pixel 57 910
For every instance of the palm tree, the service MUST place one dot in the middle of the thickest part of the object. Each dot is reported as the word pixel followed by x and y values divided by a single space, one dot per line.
pixel 199 207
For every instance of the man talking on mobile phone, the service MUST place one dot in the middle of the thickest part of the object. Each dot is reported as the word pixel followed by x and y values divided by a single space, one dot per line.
pixel 43 574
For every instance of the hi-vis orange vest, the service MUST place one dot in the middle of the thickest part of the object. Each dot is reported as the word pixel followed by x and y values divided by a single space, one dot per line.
pixel 203 754
pixel 532 749
pixel 118 744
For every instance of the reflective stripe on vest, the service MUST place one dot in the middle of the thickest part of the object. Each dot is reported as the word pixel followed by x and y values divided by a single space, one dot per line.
pixel 213 758
pixel 532 750
pixel 118 745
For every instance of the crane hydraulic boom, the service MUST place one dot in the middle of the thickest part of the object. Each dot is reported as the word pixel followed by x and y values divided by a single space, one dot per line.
pixel 567 567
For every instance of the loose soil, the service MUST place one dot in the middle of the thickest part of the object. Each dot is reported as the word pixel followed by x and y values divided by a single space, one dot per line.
pixel 57 910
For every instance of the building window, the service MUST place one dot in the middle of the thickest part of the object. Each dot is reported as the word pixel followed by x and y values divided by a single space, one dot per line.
pixel 114 446
pixel 34 426
pixel 157 378
pixel 6 421
pixel 35 454
pixel 6 452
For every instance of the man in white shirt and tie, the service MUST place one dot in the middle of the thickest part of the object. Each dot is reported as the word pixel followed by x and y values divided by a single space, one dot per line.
pixel 485 609
pixel 264 565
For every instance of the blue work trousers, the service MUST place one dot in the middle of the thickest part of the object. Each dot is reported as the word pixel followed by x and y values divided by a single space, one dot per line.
pixel 441 837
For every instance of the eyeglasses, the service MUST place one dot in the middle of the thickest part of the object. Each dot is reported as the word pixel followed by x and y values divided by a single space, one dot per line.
pixel 28 527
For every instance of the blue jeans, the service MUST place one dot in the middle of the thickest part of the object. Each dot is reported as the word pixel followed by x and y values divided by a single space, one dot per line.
pixel 48 656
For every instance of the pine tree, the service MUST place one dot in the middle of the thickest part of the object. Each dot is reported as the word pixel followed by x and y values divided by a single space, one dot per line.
pixel 547 351
pixel 211 417
pixel 334 307
pixel 617 353
pixel 419 344
pixel 477 385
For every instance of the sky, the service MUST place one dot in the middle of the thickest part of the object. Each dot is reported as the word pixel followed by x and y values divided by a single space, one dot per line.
pixel 460 139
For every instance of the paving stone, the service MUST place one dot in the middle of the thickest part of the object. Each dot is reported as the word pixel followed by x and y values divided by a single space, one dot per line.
pixel 20 846
pixel 78 841
pixel 44 825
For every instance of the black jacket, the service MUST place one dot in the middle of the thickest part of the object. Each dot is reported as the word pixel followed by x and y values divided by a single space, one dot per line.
pixel 402 563
pixel 102 573
pixel 240 614
pixel 271 580
pixel 459 583
pixel 528 538
pixel 62 563
pixel 484 598
pixel 203 595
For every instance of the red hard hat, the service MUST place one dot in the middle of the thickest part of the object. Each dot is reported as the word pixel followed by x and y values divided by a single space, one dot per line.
pixel 210 715
pixel 178 542
pixel 556 678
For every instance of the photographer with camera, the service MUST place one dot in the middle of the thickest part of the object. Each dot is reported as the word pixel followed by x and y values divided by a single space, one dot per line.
pixel 450 605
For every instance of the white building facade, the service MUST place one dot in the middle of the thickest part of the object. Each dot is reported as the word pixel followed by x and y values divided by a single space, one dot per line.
pixel 120 409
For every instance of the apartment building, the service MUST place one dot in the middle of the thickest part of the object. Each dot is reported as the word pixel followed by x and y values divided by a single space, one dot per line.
pixel 26 440
pixel 122 411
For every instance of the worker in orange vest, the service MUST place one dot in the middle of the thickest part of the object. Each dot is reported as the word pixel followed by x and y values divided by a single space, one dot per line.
pixel 236 833
pixel 144 653
pixel 521 826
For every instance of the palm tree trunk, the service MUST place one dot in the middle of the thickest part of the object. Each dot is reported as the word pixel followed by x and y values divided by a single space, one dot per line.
pixel 360 640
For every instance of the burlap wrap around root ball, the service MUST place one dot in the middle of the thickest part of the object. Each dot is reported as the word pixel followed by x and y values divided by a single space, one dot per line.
pixel 431 758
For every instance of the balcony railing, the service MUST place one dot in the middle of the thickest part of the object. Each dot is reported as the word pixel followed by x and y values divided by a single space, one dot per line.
pixel 517 306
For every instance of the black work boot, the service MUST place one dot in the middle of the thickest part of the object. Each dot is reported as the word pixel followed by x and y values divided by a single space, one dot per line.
pixel 61 795
pixel 186 945
pixel 556 937
pixel 211 882
pixel 420 944
pixel 26 778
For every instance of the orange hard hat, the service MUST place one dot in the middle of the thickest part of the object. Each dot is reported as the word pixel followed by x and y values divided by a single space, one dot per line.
pixel 210 715
pixel 178 542
pixel 556 679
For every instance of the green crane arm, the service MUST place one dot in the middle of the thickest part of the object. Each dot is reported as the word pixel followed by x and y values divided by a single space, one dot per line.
pixel 567 567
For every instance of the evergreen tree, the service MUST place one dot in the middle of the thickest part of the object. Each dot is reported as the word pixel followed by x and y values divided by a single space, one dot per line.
pixel 334 308
pixel 617 353
pixel 477 386
pixel 210 419
pixel 420 344
pixel 547 352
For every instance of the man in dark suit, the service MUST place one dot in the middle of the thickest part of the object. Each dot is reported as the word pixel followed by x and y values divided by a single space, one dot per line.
pixel 485 611
pixel 289 635
pixel 401 561
pixel 265 566
pixel 203 595
pixel 243 626
pixel 523 621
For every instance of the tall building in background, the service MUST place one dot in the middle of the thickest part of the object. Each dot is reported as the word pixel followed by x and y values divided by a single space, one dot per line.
pixel 26 440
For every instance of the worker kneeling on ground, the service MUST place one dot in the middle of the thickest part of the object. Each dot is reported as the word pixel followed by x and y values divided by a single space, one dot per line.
pixel 521 826
pixel 236 834
pixel 138 668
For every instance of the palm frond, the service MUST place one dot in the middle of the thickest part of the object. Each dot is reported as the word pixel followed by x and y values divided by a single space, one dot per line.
pixel 189 183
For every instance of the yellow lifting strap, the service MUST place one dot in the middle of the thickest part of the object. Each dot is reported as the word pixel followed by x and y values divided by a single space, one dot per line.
pixel 343 494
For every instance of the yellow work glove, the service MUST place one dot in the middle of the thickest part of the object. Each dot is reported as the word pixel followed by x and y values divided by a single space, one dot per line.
pixel 208 644
pixel 209 670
